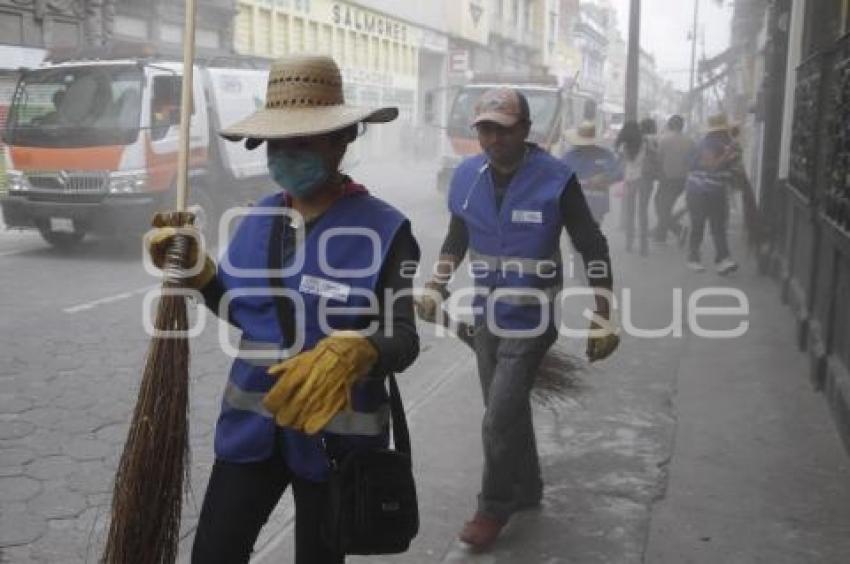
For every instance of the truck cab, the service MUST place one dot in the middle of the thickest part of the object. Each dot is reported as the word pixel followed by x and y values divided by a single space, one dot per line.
pixel 92 145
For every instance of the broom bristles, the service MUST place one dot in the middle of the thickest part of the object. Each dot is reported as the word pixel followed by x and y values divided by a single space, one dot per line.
pixel 147 498
pixel 557 377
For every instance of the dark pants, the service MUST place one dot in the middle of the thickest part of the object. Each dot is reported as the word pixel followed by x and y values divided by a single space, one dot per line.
pixel 711 207
pixel 238 502
pixel 637 196
pixel 669 191
pixel 507 368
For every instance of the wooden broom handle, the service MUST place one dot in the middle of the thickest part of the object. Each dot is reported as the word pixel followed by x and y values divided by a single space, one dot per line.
pixel 186 107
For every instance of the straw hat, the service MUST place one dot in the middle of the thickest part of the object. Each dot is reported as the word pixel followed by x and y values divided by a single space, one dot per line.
pixel 303 97
pixel 583 135
pixel 718 122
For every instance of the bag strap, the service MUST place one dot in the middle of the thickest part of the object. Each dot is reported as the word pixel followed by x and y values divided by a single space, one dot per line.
pixel 284 306
pixel 401 434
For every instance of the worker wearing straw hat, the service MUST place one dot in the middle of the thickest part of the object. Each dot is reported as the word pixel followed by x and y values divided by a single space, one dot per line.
pixel 282 420
pixel 706 192
pixel 595 166
pixel 508 207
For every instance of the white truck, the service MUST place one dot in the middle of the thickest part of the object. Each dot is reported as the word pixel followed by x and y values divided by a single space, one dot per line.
pixel 91 144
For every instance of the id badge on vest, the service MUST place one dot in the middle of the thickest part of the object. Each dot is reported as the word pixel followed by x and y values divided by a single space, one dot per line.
pixel 527 216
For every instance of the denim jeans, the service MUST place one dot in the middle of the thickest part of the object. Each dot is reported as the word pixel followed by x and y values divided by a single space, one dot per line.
pixel 507 368
pixel 712 207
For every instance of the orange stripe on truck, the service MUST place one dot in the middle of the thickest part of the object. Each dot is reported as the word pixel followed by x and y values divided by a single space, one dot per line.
pixel 104 157
pixel 162 167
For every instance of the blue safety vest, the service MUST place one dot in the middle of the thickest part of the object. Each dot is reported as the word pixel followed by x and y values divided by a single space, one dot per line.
pixel 514 251
pixel 340 270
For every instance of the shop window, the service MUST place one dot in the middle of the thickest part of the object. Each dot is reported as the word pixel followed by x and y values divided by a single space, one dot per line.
pixel 376 54
pixel 339 45
pixel 312 37
pixel 362 50
pixel 281 35
pixel 263 33
pixel 385 55
pixel 63 34
pixel 326 40
pixel 351 48
pixel 297 45
pixel 244 29
pixel 11 28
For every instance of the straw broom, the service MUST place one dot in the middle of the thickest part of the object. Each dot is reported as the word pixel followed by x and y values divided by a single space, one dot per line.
pixel 557 377
pixel 148 493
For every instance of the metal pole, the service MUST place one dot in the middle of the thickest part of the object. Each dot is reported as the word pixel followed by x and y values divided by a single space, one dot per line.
pixel 633 62
pixel 693 64
pixel 186 107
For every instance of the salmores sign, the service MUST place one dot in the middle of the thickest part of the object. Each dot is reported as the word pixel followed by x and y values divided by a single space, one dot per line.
pixel 368 22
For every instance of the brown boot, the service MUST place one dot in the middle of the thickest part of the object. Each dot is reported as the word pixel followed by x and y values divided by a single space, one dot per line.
pixel 481 532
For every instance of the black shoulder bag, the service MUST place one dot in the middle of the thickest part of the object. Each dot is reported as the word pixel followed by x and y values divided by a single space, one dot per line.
pixel 372 506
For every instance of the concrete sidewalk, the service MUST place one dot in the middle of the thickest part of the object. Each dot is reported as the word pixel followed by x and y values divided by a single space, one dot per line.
pixel 758 472
pixel 675 450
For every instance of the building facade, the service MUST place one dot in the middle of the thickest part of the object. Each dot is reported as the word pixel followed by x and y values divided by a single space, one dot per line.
pixel 591 39
pixel 385 58
pixel 801 113
pixel 516 36
pixel 77 23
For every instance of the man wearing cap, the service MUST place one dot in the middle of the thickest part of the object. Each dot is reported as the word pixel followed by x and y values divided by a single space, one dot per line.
pixel 595 166
pixel 296 296
pixel 508 207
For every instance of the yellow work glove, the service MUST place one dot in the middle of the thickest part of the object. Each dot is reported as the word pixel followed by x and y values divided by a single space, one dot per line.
pixel 602 341
pixel 158 241
pixel 430 301
pixel 315 385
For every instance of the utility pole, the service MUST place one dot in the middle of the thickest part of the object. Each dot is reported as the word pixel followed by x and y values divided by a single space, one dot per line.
pixel 693 64
pixel 633 62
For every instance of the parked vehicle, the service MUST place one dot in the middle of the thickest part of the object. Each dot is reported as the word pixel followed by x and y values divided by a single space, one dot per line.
pixel 91 143
pixel 554 110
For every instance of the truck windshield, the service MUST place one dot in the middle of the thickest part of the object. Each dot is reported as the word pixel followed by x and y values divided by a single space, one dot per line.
pixel 76 107
pixel 542 103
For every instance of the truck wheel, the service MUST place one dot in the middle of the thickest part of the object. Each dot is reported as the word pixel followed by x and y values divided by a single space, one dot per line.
pixel 60 239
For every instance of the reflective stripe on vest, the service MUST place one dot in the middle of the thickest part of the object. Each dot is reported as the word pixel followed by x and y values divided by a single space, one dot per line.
pixel 535 267
pixel 260 353
pixel 526 296
pixel 346 422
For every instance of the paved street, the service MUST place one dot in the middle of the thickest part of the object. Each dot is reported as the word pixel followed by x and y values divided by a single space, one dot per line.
pixel 675 450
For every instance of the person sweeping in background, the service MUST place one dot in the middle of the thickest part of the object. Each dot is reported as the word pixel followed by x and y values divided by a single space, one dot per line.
pixel 283 422
pixel 711 177
pixel 595 166
pixel 509 205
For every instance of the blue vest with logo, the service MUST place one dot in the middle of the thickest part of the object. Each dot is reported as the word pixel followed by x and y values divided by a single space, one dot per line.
pixel 342 257
pixel 515 255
